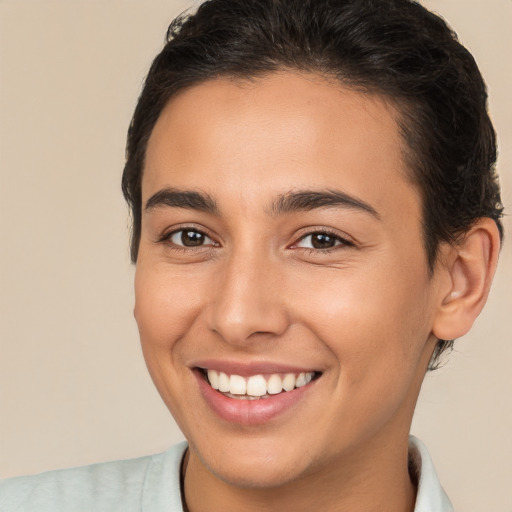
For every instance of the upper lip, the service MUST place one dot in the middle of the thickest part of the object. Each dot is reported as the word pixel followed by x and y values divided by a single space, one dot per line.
pixel 246 369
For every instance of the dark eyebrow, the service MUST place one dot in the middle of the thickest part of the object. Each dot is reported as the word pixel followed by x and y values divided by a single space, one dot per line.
pixel 310 200
pixel 177 198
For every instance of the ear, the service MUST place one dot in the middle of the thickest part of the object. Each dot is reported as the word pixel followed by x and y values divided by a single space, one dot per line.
pixel 467 272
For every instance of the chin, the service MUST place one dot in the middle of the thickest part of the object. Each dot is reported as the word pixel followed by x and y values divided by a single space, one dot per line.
pixel 254 476
pixel 257 465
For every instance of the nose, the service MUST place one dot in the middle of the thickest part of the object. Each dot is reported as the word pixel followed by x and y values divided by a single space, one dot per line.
pixel 249 300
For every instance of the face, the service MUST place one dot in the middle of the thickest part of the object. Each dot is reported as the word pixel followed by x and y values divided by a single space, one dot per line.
pixel 281 261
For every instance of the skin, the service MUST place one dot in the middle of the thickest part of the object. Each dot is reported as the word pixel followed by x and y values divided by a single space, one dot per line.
pixel 364 313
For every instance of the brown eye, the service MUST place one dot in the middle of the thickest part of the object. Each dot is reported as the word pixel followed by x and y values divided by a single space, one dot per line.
pixel 190 238
pixel 320 240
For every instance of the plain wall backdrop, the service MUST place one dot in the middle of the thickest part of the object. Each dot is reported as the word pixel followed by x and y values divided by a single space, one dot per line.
pixel 73 385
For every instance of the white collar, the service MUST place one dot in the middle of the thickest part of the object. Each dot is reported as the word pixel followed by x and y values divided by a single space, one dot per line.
pixel 430 495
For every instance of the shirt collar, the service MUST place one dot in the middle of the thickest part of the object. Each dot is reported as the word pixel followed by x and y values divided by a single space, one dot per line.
pixel 430 495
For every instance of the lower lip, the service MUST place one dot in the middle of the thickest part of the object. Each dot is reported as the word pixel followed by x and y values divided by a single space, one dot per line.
pixel 249 412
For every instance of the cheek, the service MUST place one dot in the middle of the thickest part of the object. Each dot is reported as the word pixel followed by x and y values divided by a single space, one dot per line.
pixel 375 320
pixel 165 305
pixel 165 308
pixel 377 336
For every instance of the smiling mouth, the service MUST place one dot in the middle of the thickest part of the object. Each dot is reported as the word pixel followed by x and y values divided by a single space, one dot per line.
pixel 256 387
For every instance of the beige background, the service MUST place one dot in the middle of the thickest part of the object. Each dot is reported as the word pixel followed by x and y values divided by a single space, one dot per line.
pixel 73 386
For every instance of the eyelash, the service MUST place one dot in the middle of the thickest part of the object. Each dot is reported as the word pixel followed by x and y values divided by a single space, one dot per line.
pixel 166 239
pixel 342 242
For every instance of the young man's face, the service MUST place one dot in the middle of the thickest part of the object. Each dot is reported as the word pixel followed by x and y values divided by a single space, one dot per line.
pixel 299 251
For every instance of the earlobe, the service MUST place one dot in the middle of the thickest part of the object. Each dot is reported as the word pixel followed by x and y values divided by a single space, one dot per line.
pixel 469 270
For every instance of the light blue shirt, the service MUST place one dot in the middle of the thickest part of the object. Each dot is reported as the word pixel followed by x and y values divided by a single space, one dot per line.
pixel 152 484
pixel 430 495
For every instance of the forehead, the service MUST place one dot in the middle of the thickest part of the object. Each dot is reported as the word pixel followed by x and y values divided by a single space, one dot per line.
pixel 283 131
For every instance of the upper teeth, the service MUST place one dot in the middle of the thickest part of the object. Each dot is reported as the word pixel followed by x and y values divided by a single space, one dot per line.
pixel 257 385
